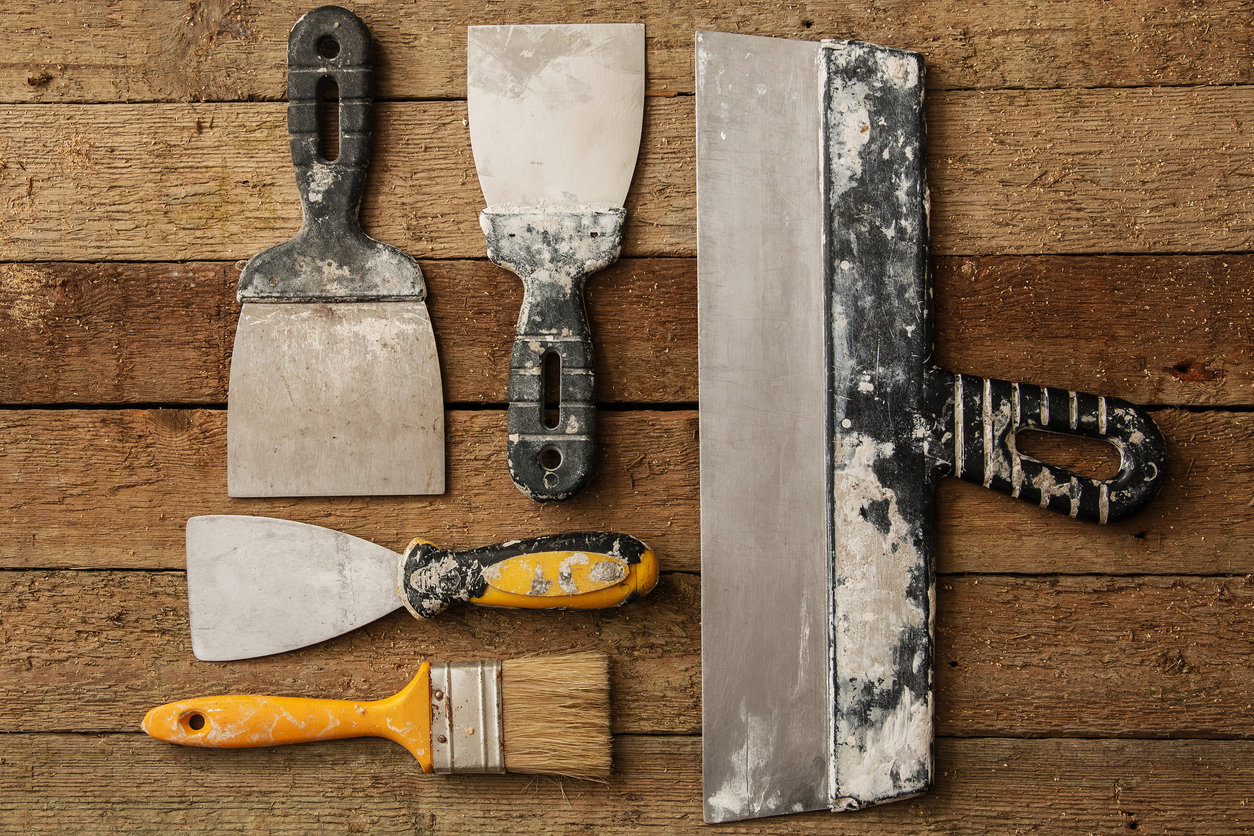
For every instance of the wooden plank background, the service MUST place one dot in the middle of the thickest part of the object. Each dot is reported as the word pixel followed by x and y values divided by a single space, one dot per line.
pixel 1092 177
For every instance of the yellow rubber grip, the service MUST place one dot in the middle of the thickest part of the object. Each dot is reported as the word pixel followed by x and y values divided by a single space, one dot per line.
pixel 569 580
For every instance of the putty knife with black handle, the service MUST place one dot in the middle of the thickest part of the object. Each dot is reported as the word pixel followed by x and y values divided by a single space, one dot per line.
pixel 555 119
pixel 257 585
pixel 825 428
pixel 335 384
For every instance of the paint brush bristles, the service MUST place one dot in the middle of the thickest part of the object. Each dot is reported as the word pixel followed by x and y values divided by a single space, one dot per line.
pixel 557 715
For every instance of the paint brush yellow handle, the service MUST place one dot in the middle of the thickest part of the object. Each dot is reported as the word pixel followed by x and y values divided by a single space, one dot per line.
pixel 237 721
pixel 583 570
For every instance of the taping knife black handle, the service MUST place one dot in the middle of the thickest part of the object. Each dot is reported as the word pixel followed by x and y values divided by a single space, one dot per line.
pixel 330 54
pixel 980 417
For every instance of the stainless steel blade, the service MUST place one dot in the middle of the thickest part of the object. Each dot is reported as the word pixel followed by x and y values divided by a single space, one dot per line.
pixel 766 704
pixel 335 400
pixel 555 111
pixel 257 586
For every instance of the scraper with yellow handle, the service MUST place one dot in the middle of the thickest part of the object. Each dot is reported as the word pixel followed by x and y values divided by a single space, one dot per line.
pixel 545 715
pixel 257 585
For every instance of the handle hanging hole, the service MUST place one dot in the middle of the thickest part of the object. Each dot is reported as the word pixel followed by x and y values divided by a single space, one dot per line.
pixel 195 721
pixel 329 119
pixel 328 47
pixel 1083 456
pixel 551 388
pixel 550 458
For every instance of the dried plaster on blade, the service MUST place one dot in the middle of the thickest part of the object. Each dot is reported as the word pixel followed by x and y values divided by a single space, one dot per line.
pixel 882 737
pixel 875 621
pixel 752 766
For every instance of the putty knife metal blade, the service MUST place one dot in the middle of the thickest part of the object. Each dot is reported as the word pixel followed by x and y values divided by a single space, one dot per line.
pixel 825 428
pixel 555 119
pixel 335 383
pixel 257 586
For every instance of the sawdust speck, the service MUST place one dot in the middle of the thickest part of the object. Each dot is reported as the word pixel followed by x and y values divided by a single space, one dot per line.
pixel 24 291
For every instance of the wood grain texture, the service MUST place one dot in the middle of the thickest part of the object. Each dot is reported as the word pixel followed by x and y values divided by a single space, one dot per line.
pixel 155 468
pixel 146 50
pixel 1011 172
pixel 163 333
pixel 106 783
pixel 1090 168
pixel 1086 656
pixel 1153 330
pixel 105 489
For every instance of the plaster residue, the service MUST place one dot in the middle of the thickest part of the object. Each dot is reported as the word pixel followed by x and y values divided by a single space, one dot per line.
pixel 321 177
pixel 895 745
pixel 850 131
pixel 879 743
pixel 873 567
pixel 566 572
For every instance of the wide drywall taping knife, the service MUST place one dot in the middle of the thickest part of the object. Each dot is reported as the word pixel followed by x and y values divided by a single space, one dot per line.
pixel 555 119
pixel 825 428
pixel 335 383
pixel 257 585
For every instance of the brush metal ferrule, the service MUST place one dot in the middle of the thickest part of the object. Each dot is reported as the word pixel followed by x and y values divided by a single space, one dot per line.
pixel 467 725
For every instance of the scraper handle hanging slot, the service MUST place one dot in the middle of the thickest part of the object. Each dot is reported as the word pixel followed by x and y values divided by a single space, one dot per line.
pixel 980 418
pixel 329 53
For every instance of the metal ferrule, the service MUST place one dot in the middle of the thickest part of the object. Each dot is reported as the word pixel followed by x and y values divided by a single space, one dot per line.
pixel 466 719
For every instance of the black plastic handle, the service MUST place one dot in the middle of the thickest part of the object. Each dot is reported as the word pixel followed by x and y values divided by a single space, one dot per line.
pixel 330 44
pixel 330 258
pixel 553 253
pixel 979 418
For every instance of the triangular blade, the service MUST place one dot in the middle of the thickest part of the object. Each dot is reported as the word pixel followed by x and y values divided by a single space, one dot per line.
pixel 555 111
pixel 257 586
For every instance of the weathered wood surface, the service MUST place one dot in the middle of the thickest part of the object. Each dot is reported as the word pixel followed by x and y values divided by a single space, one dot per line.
pixel 1153 330
pixel 146 50
pixel 1084 657
pixel 109 489
pixel 1163 170
pixel 1092 221
pixel 109 783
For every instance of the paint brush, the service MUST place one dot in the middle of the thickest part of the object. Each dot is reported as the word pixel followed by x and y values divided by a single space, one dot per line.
pixel 542 715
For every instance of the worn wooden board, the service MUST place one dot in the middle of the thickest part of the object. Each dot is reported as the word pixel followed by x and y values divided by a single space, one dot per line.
pixel 138 333
pixel 1084 657
pixel 150 50
pixel 1161 170
pixel 105 783
pixel 101 489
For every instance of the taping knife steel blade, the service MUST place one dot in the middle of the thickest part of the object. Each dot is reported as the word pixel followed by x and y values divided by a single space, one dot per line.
pixel 335 382
pixel 555 119
pixel 257 585
pixel 825 428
